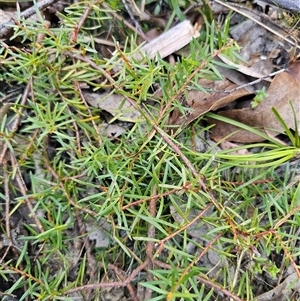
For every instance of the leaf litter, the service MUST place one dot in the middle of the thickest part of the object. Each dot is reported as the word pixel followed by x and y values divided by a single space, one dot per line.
pixel 230 96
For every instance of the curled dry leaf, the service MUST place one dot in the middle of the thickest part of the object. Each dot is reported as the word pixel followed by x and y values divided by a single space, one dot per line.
pixel 238 75
pixel 283 94
pixel 201 102
pixel 247 70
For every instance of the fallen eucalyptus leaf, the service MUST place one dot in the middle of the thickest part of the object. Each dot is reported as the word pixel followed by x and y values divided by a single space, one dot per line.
pixel 283 93
pixel 201 102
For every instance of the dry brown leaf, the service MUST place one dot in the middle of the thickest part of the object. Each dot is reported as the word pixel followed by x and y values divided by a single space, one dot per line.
pixel 283 91
pixel 240 78
pixel 230 145
pixel 200 102
pixel 251 70
pixel 294 70
pixel 115 104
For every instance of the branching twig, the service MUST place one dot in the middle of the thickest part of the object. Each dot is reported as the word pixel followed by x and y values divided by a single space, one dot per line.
pixel 195 260
pixel 161 242
pixel 161 195
pixel 62 186
pixel 120 274
pixel 251 83
pixel 124 283
pixel 88 250
pixel 206 281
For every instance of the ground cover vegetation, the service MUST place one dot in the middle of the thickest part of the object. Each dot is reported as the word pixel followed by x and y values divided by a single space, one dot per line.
pixel 119 201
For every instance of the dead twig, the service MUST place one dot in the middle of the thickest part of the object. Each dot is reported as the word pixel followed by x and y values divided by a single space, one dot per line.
pixel 73 36
pixel 162 242
pixel 133 19
pixel 63 188
pixel 252 83
pixel 7 201
pixel 6 29
pixel 206 281
pixel 18 119
pixel 138 202
pixel 150 244
pixel 15 166
pixel 115 15
pixel 124 283
pixel 90 113
pixel 120 273
pixel 88 250
pixel 238 9
pixel 23 190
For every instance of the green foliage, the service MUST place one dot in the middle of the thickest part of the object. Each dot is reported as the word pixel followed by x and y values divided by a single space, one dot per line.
pixel 72 172
pixel 259 97
pixel 294 138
